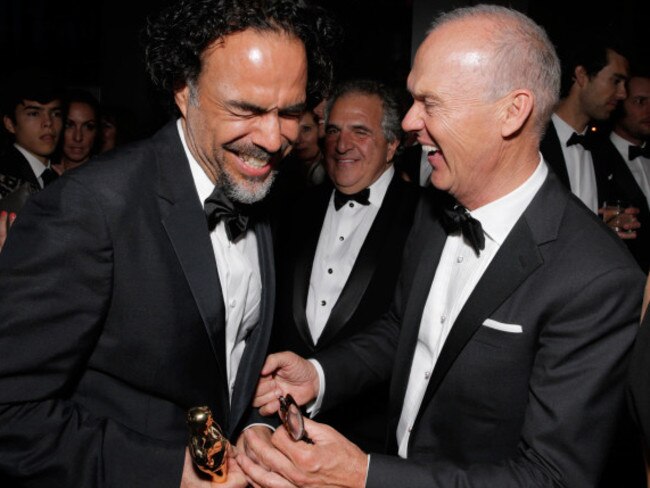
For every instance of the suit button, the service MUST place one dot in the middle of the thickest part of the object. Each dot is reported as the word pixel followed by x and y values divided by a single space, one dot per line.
pixel 233 303
pixel 427 375
pixel 459 259
pixel 330 271
pixel 341 238
pixel 323 303
pixel 351 205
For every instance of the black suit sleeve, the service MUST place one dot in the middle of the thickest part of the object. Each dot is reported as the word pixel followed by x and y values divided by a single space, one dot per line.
pixel 55 283
pixel 638 384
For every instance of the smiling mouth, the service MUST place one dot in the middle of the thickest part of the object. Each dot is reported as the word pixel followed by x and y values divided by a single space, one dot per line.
pixel 430 150
pixel 253 162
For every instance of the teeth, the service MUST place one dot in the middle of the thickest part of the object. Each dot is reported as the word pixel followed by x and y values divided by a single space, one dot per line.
pixel 429 149
pixel 254 162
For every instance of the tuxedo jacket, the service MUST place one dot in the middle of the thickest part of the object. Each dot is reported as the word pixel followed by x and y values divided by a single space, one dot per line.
pixel 13 163
pixel 112 324
pixel 538 407
pixel 365 297
pixel 17 180
pixel 638 381
pixel 622 185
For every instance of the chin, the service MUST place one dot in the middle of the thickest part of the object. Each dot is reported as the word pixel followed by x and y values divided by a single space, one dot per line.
pixel 251 191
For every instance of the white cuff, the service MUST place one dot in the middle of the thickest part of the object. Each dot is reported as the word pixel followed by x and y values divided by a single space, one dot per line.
pixel 313 407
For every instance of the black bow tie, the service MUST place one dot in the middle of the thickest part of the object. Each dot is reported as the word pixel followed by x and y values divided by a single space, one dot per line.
pixel 341 199
pixel 235 215
pixel 578 139
pixel 458 218
pixel 48 176
pixel 636 151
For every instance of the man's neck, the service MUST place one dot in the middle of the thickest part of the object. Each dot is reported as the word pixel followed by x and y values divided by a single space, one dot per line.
pixel 569 111
pixel 627 136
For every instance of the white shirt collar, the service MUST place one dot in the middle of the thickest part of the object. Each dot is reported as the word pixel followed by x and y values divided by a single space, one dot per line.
pixel 37 166
pixel 623 145
pixel 564 130
pixel 380 186
pixel 499 217
pixel 204 186
pixel 377 189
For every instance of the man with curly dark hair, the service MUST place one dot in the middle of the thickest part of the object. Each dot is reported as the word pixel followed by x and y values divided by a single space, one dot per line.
pixel 142 284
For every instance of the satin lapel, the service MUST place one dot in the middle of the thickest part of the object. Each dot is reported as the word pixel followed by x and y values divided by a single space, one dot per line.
pixel 624 180
pixel 429 242
pixel 185 223
pixel 311 221
pixel 518 257
pixel 551 149
pixel 258 340
pixel 365 264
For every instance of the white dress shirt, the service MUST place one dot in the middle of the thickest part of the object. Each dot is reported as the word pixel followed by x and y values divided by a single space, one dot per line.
pixel 639 166
pixel 425 169
pixel 579 165
pixel 457 274
pixel 37 166
pixel 342 235
pixel 239 275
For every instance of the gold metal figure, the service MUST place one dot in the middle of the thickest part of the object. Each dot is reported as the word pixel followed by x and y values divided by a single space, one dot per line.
pixel 208 446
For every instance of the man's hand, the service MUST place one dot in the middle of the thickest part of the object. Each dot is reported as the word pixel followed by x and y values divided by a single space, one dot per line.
pixel 193 478
pixel 624 224
pixel 331 461
pixel 283 373
pixel 6 220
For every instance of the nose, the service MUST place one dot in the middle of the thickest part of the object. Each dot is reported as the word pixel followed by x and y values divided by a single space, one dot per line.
pixel 621 91
pixel 412 121
pixel 269 132
pixel 47 119
pixel 343 142
pixel 76 134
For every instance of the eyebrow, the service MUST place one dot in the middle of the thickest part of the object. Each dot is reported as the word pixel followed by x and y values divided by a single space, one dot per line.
pixel 257 110
pixel 40 107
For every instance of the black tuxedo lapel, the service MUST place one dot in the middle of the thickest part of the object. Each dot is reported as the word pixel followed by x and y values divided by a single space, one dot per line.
pixel 551 149
pixel 13 163
pixel 514 262
pixel 258 339
pixel 311 222
pixel 185 223
pixel 426 261
pixel 623 184
pixel 365 264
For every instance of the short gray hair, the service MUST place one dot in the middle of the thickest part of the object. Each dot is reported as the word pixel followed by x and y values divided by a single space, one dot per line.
pixel 391 124
pixel 523 57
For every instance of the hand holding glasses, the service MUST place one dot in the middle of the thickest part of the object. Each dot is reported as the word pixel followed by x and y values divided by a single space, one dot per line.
pixel 292 419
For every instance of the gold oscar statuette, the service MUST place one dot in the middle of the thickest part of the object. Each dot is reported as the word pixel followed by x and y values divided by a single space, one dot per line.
pixel 208 446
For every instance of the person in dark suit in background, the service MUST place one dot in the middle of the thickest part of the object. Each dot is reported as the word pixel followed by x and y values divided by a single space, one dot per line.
pixel 339 262
pixel 515 311
pixel 625 152
pixel 32 114
pixel 128 298
pixel 593 84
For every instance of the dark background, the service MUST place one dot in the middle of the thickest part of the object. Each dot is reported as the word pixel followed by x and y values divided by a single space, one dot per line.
pixel 95 44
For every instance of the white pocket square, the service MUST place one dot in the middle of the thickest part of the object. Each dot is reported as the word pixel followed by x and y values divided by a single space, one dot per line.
pixel 512 328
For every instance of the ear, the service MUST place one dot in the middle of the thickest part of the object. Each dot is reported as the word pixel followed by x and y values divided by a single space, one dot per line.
pixel 518 107
pixel 9 124
pixel 392 147
pixel 580 76
pixel 182 99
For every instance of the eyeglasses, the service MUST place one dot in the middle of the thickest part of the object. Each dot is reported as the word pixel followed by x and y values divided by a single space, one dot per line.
pixel 207 444
pixel 292 419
